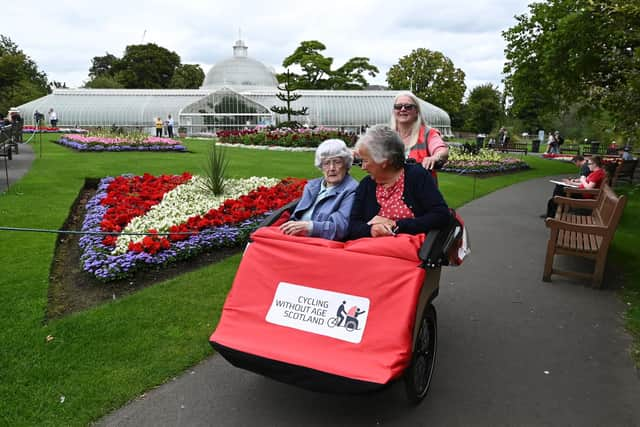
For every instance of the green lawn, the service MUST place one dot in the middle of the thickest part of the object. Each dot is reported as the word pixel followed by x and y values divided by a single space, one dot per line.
pixel 101 358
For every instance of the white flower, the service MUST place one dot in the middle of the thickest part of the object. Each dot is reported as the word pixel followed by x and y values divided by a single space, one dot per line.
pixel 183 202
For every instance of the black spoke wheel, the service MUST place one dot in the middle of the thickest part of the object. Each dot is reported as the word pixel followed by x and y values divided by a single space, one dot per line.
pixel 417 378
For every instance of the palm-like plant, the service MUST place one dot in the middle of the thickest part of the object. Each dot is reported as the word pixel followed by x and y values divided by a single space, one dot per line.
pixel 215 170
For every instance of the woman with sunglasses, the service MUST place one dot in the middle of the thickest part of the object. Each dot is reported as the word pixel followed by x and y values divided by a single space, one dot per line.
pixel 323 210
pixel 422 143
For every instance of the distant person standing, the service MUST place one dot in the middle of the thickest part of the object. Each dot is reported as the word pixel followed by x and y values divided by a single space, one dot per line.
pixel 159 127
pixel 626 153
pixel 170 126
pixel 53 118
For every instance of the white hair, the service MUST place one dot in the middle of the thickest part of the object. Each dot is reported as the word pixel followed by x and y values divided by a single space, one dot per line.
pixel 333 148
pixel 383 143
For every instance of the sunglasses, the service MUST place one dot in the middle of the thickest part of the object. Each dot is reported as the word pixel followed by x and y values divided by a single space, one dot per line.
pixel 408 107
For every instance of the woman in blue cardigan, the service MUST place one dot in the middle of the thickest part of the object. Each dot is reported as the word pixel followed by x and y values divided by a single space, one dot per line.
pixel 396 197
pixel 323 210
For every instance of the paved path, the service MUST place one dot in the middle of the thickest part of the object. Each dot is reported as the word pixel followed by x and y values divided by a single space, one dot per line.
pixel 17 167
pixel 513 350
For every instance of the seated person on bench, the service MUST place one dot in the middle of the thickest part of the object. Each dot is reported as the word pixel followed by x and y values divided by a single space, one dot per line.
pixel 396 197
pixel 323 210
pixel 593 180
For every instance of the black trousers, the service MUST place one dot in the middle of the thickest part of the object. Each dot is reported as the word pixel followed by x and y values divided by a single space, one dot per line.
pixel 558 191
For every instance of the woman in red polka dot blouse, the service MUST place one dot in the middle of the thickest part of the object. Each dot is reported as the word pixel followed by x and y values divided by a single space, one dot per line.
pixel 396 197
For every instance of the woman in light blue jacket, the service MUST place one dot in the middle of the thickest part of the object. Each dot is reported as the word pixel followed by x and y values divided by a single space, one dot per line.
pixel 323 210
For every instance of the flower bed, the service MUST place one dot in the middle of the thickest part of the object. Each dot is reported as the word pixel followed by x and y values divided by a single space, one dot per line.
pixel 302 137
pixel 485 162
pixel 554 156
pixel 108 142
pixel 31 129
pixel 170 218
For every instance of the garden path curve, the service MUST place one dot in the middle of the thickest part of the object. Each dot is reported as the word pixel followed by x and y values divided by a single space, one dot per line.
pixel 513 350
pixel 17 167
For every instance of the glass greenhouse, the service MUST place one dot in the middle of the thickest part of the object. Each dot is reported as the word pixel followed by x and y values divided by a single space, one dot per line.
pixel 237 93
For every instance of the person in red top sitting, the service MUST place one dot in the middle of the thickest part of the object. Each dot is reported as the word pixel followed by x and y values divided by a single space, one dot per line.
pixel 597 175
pixel 421 142
pixel 591 181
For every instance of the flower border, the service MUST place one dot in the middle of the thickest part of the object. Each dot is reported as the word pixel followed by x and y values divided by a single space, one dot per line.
pixel 151 146
pixel 98 259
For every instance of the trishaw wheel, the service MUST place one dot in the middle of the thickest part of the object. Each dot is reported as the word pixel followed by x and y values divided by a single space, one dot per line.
pixel 417 378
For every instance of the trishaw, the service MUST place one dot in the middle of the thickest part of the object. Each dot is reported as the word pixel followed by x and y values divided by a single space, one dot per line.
pixel 338 317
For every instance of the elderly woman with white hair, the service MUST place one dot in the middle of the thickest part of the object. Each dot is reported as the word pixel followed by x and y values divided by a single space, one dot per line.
pixel 396 197
pixel 422 143
pixel 323 210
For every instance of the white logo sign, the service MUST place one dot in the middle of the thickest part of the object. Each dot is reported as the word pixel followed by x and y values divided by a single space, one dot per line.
pixel 333 314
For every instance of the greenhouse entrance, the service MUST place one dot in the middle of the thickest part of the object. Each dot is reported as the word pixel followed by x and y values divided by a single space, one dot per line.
pixel 224 109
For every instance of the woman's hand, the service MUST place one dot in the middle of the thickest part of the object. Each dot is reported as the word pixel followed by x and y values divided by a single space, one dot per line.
pixel 381 230
pixel 297 228
pixel 381 220
pixel 430 162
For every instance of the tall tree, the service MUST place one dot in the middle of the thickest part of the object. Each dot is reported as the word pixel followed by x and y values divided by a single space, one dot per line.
pixel 317 72
pixel 431 76
pixel 187 76
pixel 287 95
pixel 584 52
pixel 104 81
pixel 147 66
pixel 20 79
pixel 483 109
pixel 106 65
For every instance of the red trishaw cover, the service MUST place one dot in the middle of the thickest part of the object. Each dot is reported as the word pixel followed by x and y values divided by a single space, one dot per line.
pixel 343 309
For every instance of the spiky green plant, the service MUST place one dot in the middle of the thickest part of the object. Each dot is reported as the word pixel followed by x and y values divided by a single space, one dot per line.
pixel 215 169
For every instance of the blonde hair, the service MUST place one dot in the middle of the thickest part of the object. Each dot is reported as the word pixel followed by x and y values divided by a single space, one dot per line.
pixel 415 128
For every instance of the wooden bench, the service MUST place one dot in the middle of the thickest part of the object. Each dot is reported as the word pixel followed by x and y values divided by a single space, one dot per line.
pixel 624 172
pixel 586 236
pixel 514 147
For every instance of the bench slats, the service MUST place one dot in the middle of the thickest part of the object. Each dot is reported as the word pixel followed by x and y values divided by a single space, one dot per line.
pixel 570 241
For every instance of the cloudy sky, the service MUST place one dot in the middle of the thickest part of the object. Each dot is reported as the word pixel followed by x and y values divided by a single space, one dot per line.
pixel 64 35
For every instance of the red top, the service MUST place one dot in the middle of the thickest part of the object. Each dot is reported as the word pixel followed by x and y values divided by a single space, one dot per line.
pixel 597 176
pixel 421 150
pixel 390 200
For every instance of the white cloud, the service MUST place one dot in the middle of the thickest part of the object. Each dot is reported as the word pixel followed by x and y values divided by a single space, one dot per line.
pixel 63 37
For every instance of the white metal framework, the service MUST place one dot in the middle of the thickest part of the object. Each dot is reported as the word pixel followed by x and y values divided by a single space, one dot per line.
pixel 237 93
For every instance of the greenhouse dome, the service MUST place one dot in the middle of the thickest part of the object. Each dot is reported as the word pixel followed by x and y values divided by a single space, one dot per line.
pixel 239 71
pixel 237 93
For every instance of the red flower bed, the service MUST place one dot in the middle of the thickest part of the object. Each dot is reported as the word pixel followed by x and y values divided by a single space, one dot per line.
pixel 129 197
pixel 232 211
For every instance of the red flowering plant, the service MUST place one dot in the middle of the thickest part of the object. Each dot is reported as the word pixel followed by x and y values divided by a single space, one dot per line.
pixel 129 204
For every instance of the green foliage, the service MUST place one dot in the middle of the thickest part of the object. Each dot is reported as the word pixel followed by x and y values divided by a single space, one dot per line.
pixel 317 72
pixel 287 96
pixel 187 76
pixel 576 52
pixel 103 65
pixel 215 169
pixel 20 80
pixel 147 66
pixel 431 76
pixel 104 81
pixel 483 109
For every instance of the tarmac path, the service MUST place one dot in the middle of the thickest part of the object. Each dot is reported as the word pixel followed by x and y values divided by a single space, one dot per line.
pixel 17 166
pixel 513 350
